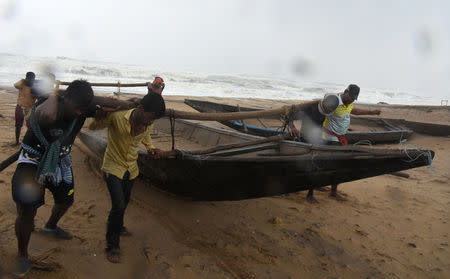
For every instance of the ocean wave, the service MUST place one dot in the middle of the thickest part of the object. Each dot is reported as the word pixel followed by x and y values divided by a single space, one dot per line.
pixel 13 67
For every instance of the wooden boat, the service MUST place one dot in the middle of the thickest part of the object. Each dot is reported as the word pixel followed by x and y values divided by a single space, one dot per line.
pixel 271 126
pixel 259 170
pixel 386 129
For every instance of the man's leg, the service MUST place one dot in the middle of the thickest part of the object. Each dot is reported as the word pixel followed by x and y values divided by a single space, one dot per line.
pixel 334 194
pixel 310 197
pixel 19 117
pixel 63 195
pixel 127 186
pixel 115 218
pixel 24 227
pixel 28 195
pixel 58 211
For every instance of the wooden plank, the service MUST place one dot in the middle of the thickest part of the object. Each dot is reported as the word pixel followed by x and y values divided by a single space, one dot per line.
pixel 109 84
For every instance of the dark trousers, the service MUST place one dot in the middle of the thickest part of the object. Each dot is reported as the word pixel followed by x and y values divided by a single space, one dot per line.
pixel 120 192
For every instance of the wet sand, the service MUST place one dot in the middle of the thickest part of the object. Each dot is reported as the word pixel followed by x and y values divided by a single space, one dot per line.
pixel 390 227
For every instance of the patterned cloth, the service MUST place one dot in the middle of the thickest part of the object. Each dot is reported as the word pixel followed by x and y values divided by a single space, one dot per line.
pixel 63 170
pixel 338 122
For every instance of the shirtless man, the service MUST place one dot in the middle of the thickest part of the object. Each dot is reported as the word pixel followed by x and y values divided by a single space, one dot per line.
pixel 44 162
pixel 25 101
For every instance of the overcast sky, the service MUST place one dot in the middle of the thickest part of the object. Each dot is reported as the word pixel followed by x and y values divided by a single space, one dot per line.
pixel 402 45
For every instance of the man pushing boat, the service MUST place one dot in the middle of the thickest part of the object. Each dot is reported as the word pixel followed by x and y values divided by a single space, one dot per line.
pixel 45 162
pixel 126 131
pixel 328 123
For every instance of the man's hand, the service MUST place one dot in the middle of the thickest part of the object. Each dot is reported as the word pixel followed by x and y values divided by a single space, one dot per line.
pixel 293 132
pixel 375 112
pixel 155 153
pixel 102 112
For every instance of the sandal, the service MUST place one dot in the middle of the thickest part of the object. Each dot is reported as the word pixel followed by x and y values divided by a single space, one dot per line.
pixel 57 232
pixel 23 266
pixel 114 255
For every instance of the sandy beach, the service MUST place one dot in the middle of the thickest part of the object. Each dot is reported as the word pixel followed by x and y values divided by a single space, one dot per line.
pixel 390 227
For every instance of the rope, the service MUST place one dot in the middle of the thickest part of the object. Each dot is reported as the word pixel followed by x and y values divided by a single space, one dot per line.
pixel 49 161
pixel 363 142
pixel 288 118
pixel 172 127
pixel 427 154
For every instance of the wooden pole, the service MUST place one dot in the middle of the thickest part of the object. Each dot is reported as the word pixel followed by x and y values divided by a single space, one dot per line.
pixel 400 174
pixel 109 84
pixel 172 153
pixel 8 161
pixel 239 144
pixel 284 110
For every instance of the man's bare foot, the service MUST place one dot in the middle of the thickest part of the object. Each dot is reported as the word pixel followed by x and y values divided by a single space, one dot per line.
pixel 114 255
pixel 311 199
pixel 337 196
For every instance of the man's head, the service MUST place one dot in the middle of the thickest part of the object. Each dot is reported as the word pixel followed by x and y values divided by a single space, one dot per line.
pixel 29 77
pixel 350 94
pixel 77 98
pixel 157 86
pixel 328 104
pixel 152 107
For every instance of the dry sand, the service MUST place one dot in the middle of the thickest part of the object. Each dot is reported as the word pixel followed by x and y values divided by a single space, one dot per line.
pixel 390 227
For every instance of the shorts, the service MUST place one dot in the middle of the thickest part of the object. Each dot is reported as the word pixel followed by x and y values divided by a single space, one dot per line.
pixel 27 192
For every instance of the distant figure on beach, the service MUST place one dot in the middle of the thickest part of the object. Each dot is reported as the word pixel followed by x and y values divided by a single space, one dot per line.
pixel 126 131
pixel 45 162
pixel 333 112
pixel 157 86
pixel 25 101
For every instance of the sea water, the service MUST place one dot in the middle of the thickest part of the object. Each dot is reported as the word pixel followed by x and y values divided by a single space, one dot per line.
pixel 14 67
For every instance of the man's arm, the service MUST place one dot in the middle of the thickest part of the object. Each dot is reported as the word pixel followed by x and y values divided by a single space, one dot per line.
pixel 293 131
pixel 47 112
pixel 103 118
pixel 357 111
pixel 151 149
pixel 19 84
pixel 147 140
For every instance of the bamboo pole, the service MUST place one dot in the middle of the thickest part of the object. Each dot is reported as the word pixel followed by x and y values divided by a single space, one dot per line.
pixel 11 159
pixel 239 145
pixel 110 84
pixel 284 110
pixel 173 153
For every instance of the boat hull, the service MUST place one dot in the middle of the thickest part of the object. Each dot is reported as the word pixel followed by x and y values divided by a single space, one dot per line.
pixel 253 174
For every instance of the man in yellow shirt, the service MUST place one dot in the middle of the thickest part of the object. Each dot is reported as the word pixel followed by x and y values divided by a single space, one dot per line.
pixel 25 101
pixel 126 130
